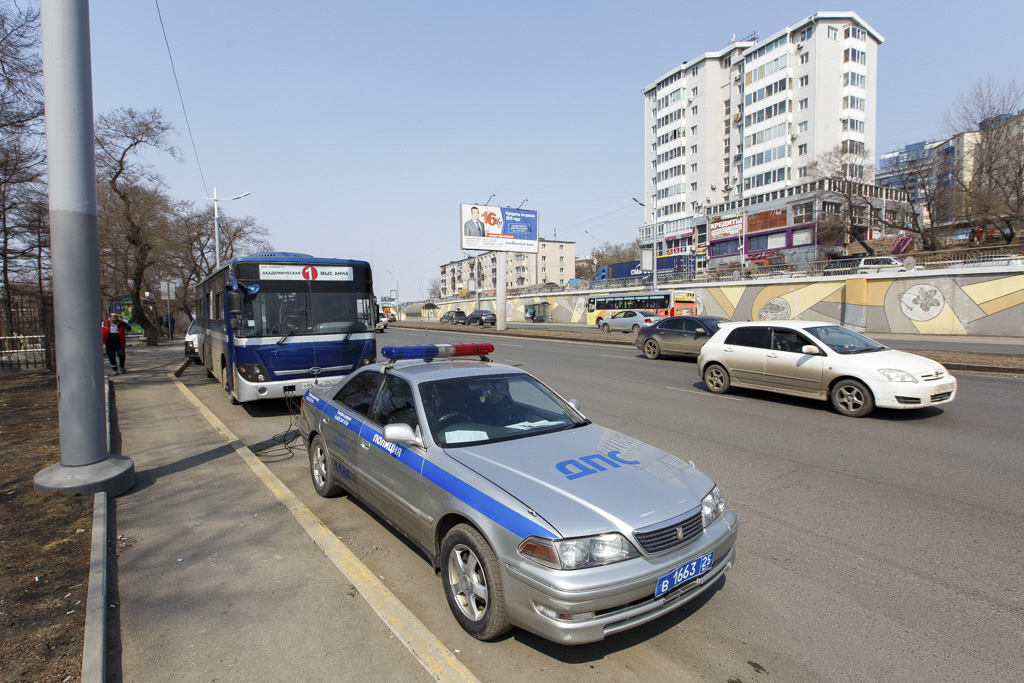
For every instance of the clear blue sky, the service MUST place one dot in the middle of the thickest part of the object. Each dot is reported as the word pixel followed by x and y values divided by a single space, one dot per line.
pixel 360 127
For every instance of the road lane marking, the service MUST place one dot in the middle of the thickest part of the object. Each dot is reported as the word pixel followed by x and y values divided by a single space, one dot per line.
pixel 431 653
pixel 705 393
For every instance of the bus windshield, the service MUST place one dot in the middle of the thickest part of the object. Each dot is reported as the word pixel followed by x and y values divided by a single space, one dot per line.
pixel 284 309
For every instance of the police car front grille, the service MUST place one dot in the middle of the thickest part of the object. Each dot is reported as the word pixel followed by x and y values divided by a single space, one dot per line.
pixel 672 535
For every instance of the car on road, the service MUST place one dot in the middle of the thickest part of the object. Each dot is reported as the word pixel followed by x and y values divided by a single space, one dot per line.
pixel 680 335
pixel 382 322
pixel 481 317
pixel 631 320
pixel 192 343
pixel 533 516
pixel 823 361
pixel 454 318
pixel 391 317
pixel 990 260
pixel 864 265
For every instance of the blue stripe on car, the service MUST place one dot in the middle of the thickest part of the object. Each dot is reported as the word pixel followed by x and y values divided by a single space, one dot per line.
pixel 501 514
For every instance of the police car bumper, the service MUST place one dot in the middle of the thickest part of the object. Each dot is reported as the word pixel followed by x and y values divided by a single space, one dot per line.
pixel 584 606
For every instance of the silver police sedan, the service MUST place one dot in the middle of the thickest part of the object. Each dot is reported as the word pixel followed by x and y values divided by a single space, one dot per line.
pixel 534 516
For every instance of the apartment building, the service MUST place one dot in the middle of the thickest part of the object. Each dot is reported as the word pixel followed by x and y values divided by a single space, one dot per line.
pixel 742 126
pixel 554 262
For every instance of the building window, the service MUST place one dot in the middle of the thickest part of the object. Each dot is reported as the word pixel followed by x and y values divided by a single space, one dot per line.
pixel 805 57
pixel 806 33
pixel 693 149
pixel 693 187
pixel 805 81
pixel 801 150
pixel 804 103
pixel 802 127
pixel 833 32
pixel 693 130
pixel 802 172
pixel 693 91
pixel 693 168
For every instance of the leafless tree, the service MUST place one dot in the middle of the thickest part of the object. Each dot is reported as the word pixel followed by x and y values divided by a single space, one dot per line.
pixel 21 87
pixel 435 287
pixel 133 211
pixel 846 210
pixel 986 131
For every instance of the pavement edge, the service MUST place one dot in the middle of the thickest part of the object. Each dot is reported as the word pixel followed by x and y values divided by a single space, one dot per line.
pixel 438 661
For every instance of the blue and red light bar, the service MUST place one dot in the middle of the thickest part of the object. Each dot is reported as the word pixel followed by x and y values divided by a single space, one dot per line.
pixel 427 351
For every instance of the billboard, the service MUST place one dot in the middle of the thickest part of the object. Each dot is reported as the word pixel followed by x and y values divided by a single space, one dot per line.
pixel 497 228
pixel 726 225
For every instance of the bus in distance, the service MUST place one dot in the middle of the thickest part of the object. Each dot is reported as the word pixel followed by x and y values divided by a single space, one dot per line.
pixel 676 302
pixel 273 324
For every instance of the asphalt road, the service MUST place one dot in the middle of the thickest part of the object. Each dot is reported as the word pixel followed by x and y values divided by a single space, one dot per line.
pixel 883 548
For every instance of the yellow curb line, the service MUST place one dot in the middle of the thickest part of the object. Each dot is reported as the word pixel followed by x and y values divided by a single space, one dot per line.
pixel 437 659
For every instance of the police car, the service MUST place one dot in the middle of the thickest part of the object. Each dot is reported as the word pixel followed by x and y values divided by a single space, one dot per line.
pixel 534 516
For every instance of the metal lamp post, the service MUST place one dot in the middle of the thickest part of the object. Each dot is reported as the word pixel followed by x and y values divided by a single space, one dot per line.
pixel 216 221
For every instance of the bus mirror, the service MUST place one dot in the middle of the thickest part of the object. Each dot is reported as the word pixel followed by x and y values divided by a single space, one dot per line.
pixel 235 303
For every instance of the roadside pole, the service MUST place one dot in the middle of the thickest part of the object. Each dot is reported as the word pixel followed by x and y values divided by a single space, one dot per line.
pixel 85 465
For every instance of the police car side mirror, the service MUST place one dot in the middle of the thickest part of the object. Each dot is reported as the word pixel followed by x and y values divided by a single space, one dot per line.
pixel 810 350
pixel 401 433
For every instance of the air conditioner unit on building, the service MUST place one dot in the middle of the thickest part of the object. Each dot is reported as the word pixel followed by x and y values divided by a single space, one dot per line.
pixel 712 186
pixel 799 46
pixel 727 188
pixel 738 77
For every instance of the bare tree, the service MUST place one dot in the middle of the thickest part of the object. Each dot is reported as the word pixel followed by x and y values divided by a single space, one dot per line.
pixel 846 209
pixel 135 210
pixel 21 87
pixel 435 287
pixel 987 133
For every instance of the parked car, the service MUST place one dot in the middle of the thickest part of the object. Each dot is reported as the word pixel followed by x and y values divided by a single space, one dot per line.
pixel 681 335
pixel 880 264
pixel 823 361
pixel 864 265
pixel 382 322
pixel 481 317
pixel 991 260
pixel 533 516
pixel 192 343
pixel 454 318
pixel 631 320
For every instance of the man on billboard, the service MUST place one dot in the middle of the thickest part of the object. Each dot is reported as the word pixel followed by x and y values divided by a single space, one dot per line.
pixel 474 227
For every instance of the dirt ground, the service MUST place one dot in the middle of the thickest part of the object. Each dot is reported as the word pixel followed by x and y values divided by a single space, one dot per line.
pixel 45 541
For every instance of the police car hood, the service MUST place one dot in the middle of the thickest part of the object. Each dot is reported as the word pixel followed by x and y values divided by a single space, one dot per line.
pixel 590 479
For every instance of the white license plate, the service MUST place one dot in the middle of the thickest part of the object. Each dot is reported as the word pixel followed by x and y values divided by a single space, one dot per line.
pixel 944 387
pixel 683 574
pixel 310 385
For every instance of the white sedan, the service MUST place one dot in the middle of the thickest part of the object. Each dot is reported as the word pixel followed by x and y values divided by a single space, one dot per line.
pixel 823 361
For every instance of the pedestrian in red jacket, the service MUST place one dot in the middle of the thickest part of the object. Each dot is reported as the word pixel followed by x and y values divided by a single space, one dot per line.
pixel 114 340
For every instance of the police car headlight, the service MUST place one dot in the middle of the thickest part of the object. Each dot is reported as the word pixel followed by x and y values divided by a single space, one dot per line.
pixel 894 375
pixel 578 553
pixel 712 506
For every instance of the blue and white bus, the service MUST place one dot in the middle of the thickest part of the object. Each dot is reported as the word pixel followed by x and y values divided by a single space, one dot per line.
pixel 274 324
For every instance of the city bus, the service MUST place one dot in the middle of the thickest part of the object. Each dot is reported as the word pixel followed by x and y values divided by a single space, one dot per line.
pixel 663 303
pixel 274 324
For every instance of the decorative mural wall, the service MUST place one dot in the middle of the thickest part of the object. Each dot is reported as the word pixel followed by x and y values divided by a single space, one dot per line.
pixel 988 304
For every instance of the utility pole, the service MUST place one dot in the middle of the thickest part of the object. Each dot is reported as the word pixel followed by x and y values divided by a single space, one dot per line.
pixel 85 466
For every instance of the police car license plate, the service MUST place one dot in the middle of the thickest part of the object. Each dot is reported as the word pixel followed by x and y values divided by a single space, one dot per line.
pixel 683 574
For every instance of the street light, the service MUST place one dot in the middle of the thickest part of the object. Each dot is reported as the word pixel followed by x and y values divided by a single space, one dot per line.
pixel 654 281
pixel 593 252
pixel 398 310
pixel 216 223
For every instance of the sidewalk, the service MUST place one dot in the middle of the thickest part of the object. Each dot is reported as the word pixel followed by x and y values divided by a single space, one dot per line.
pixel 215 578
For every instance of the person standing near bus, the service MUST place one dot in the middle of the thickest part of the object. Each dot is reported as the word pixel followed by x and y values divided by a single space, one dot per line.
pixel 114 340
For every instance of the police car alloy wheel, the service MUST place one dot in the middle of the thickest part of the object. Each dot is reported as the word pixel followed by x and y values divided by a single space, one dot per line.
pixel 472 583
pixel 320 470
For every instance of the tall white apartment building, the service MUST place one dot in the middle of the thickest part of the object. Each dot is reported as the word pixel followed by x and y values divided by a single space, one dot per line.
pixel 747 121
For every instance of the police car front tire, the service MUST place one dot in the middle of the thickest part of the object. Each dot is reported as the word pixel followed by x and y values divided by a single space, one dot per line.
pixel 320 469
pixel 472 583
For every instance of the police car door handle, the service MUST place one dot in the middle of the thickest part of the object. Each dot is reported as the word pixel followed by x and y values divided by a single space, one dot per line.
pixel 364 445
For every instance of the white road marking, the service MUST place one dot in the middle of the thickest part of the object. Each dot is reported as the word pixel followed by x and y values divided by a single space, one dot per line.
pixel 705 393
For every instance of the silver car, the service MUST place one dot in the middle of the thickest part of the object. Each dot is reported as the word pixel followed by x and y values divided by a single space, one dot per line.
pixel 534 516
pixel 823 361
pixel 630 320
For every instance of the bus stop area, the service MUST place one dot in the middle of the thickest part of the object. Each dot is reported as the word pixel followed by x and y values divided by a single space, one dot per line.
pixel 213 578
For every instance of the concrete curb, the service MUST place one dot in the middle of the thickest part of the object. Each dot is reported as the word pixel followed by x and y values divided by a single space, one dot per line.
pixel 627 340
pixel 94 645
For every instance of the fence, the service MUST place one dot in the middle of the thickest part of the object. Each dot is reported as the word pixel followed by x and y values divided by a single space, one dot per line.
pixel 26 332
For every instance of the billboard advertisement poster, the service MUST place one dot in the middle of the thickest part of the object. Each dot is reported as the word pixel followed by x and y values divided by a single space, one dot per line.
pixel 726 225
pixel 497 228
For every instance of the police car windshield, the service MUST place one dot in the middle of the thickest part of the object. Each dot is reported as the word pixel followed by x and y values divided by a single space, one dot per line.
pixel 463 411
